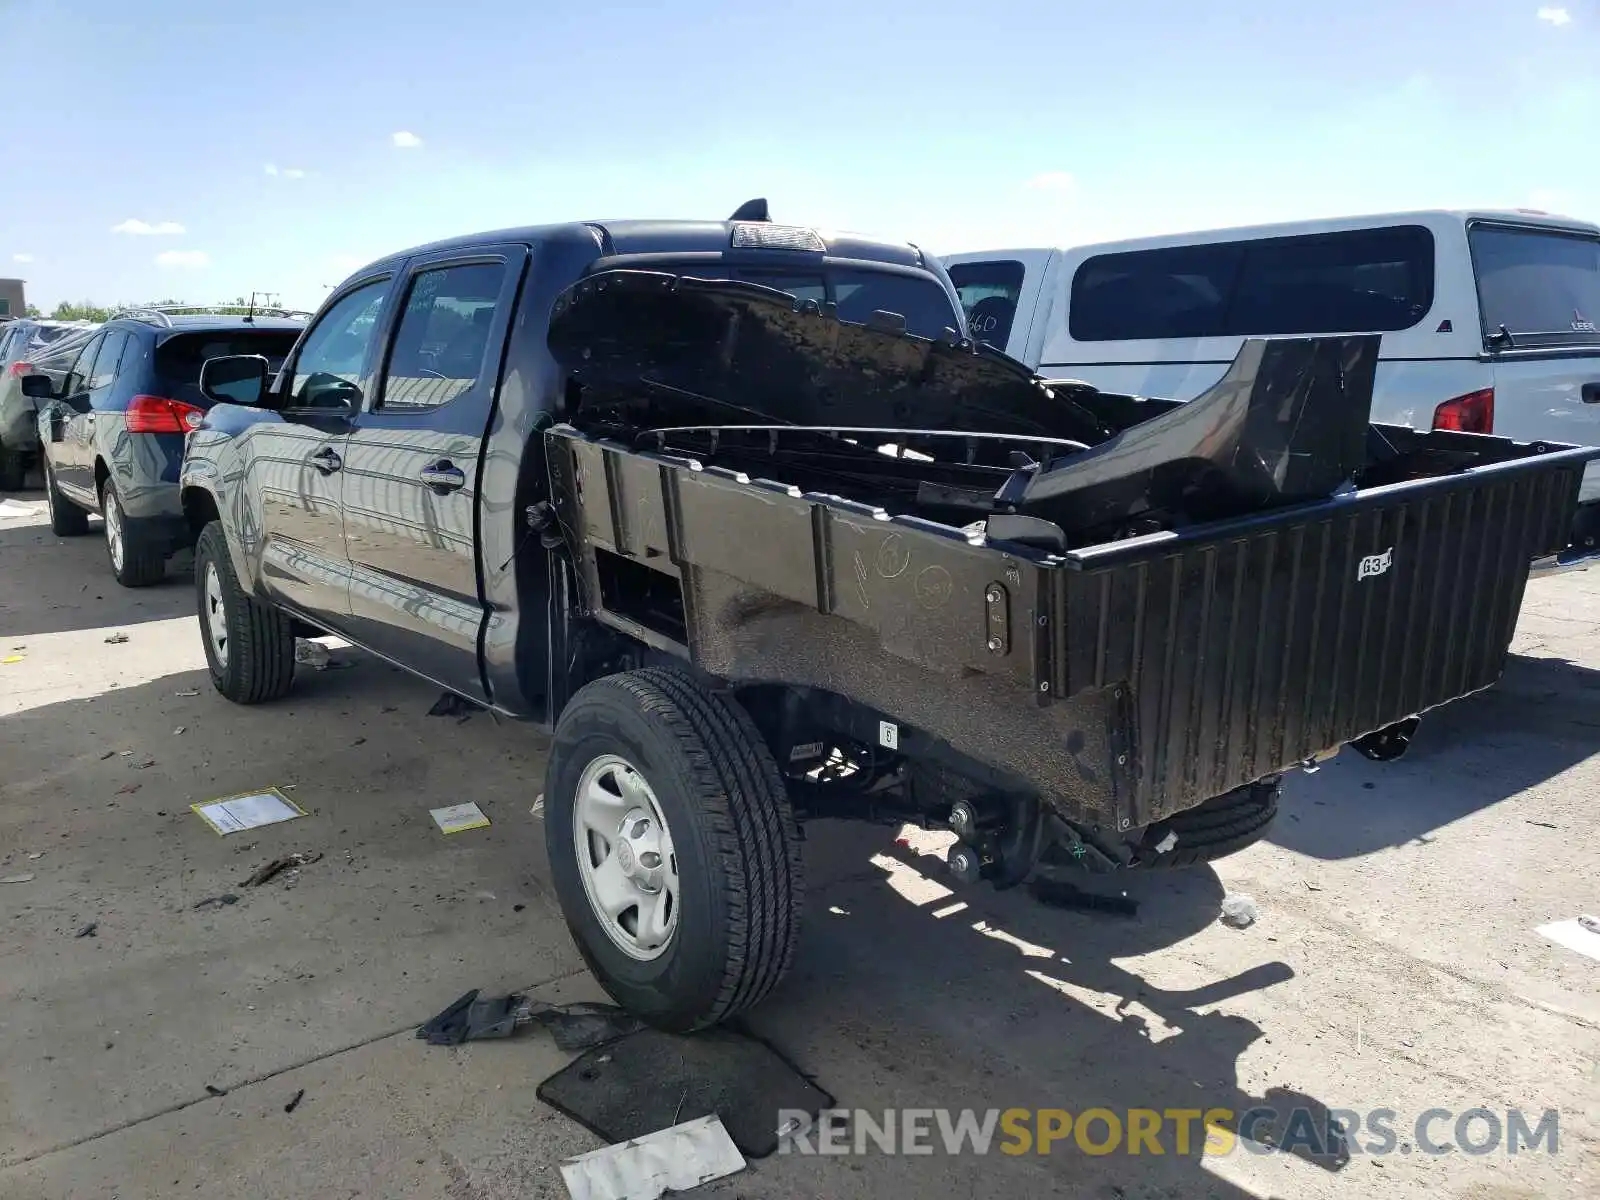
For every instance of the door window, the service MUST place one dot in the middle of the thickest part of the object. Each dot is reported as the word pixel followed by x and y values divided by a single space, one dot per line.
pixel 989 292
pixel 441 348
pixel 78 377
pixel 330 367
pixel 105 363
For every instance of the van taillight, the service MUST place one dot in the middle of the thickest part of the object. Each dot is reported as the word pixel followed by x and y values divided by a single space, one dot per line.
pixel 157 414
pixel 1472 413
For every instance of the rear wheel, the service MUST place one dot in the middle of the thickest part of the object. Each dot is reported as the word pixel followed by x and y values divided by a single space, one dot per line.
pixel 672 847
pixel 249 643
pixel 133 562
pixel 66 518
pixel 12 473
pixel 1221 826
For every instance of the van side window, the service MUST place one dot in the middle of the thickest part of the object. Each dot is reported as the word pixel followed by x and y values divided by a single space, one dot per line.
pixel 989 292
pixel 1364 280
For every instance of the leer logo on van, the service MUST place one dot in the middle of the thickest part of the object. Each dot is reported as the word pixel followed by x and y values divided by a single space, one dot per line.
pixel 1374 564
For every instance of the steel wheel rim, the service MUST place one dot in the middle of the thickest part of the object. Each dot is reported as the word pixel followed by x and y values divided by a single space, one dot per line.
pixel 113 520
pixel 625 857
pixel 216 615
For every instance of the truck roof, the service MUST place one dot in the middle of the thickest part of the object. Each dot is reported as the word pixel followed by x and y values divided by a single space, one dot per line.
pixel 1427 216
pixel 674 237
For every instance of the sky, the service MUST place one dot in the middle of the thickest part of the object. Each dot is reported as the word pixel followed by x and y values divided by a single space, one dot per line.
pixel 189 150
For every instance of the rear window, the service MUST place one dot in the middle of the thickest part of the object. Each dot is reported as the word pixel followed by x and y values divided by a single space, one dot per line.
pixel 179 358
pixel 1542 287
pixel 1367 280
pixel 989 292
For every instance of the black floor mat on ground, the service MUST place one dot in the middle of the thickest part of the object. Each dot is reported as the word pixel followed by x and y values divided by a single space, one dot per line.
pixel 652 1080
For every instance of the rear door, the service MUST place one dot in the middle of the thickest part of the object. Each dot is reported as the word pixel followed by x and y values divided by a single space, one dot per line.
pixel 1539 297
pixel 73 419
pixel 412 466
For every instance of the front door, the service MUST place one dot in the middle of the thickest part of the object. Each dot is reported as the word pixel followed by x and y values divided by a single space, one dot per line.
pixel 296 463
pixel 411 497
pixel 72 421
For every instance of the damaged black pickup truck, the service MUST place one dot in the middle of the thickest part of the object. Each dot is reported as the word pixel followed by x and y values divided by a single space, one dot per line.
pixel 737 512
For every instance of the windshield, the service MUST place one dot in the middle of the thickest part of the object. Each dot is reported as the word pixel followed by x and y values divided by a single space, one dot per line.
pixel 859 293
pixel 1542 287
pixel 179 358
pixel 989 292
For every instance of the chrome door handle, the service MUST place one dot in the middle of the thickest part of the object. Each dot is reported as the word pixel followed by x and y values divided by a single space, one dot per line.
pixel 443 477
pixel 327 460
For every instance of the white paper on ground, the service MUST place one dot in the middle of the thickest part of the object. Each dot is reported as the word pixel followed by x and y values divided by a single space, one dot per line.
pixel 668 1160
pixel 1573 936
pixel 248 811
pixel 459 817
pixel 16 508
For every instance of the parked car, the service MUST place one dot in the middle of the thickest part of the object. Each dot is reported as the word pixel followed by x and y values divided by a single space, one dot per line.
pixel 736 512
pixel 23 343
pixel 1490 319
pixel 112 426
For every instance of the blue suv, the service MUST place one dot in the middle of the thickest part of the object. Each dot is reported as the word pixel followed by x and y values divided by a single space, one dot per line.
pixel 112 431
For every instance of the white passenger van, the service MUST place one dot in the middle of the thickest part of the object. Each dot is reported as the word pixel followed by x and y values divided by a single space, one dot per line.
pixel 1490 320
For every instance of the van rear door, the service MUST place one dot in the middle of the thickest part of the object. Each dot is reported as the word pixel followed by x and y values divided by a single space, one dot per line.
pixel 1539 300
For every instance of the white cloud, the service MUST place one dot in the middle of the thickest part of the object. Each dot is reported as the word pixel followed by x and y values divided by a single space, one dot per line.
pixel 286 172
pixel 270 169
pixel 405 140
pixel 1555 16
pixel 183 259
pixel 1058 182
pixel 22 258
pixel 144 228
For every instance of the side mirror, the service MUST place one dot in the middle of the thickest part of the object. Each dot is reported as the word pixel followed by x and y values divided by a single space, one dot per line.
pixel 234 379
pixel 38 387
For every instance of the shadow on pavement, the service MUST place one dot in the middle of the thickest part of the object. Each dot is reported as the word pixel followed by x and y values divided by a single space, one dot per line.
pixel 1542 718
pixel 69 586
pixel 996 1001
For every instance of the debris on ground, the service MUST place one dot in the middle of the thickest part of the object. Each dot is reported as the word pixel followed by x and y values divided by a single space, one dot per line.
pixel 190 692
pixel 1541 824
pixel 665 1162
pixel 652 1080
pixel 107 754
pixel 35 856
pixel 221 901
pixel 295 1102
pixel 1581 935
pixel 451 705
pixel 92 929
pixel 580 1026
pixel 1238 911
pixel 16 508
pixel 179 730
pixel 1592 924
pixel 1060 894
pixel 311 654
pixel 129 789
pixel 289 862
pixel 12 658
pixel 212 1090
pixel 538 806
pixel 249 810
pixel 458 818
pixel 116 639
pixel 25 877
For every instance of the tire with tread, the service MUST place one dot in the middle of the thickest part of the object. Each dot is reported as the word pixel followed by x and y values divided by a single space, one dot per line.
pixel 733 833
pixel 66 518
pixel 13 477
pixel 260 661
pixel 1221 826
pixel 142 565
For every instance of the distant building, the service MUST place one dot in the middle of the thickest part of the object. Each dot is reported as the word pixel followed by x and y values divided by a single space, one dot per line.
pixel 12 303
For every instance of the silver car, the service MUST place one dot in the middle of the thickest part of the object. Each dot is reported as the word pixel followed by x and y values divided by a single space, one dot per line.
pixel 29 347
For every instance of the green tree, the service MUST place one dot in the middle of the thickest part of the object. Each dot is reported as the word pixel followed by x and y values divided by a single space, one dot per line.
pixel 32 311
pixel 82 310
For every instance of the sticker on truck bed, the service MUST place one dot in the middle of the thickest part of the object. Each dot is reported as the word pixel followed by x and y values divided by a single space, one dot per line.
pixel 1374 564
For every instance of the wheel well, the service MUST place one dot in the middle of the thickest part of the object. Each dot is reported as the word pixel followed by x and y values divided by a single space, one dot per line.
pixel 101 474
pixel 200 507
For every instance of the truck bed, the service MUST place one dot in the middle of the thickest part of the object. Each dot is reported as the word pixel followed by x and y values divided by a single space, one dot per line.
pixel 1126 681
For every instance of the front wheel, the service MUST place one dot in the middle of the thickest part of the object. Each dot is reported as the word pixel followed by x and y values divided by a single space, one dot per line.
pixel 249 643
pixel 66 518
pixel 672 847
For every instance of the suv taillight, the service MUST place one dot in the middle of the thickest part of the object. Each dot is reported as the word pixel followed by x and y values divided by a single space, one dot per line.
pixel 157 414
pixel 19 369
pixel 1472 413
